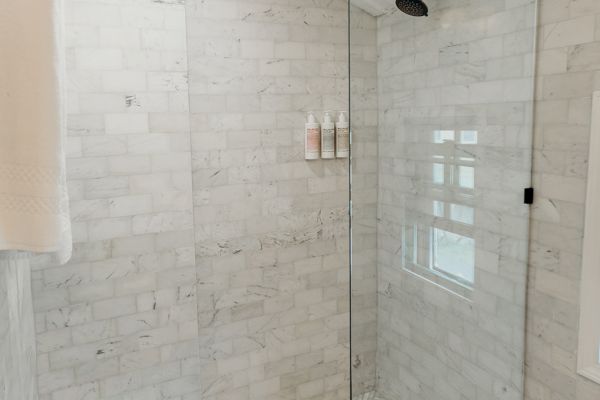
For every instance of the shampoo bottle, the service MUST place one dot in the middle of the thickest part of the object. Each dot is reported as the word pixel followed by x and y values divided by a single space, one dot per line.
pixel 342 140
pixel 328 137
pixel 312 138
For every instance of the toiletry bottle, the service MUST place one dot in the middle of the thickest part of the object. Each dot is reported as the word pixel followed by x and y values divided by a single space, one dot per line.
pixel 342 140
pixel 312 138
pixel 328 136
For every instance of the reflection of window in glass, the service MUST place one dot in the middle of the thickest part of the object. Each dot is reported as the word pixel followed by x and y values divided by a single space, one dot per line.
pixel 468 137
pixel 443 250
pixel 453 255
pixel 460 213
pixel 457 212
pixel 449 168
pixel 466 177
pixel 438 174
pixel 442 136
pixel 438 208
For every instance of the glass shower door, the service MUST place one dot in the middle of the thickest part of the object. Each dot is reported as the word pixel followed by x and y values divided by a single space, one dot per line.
pixel 454 134
pixel 270 228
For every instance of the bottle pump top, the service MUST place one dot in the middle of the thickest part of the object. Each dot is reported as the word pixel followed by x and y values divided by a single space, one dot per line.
pixel 342 117
pixel 311 118
pixel 327 118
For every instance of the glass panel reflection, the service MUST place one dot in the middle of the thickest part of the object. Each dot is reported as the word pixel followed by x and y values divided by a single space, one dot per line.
pixel 453 255
pixel 440 245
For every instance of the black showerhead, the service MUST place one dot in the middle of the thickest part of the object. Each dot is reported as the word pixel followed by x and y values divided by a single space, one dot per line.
pixel 416 8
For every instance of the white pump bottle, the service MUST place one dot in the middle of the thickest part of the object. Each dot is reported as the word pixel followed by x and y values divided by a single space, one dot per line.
pixel 328 137
pixel 312 138
pixel 342 140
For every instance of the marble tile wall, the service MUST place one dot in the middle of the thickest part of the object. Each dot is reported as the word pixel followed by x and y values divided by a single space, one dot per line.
pixel 455 101
pixel 271 229
pixel 18 378
pixel 568 62
pixel 214 264
pixel 119 321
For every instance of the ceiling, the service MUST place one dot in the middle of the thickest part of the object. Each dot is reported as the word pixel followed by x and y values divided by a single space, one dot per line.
pixel 375 7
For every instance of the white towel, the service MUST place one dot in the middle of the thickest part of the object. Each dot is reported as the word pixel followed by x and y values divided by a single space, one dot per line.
pixel 33 197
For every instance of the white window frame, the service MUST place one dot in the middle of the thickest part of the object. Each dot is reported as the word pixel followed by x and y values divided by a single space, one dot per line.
pixel 588 364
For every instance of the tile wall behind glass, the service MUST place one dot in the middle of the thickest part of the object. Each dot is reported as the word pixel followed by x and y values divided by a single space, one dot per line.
pixel 271 228
pixel 455 112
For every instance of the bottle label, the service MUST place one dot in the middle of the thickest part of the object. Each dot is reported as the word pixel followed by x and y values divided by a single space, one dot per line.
pixel 343 144
pixel 313 141
pixel 328 140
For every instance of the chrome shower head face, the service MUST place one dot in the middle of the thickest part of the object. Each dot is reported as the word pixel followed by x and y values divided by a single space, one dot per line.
pixel 416 8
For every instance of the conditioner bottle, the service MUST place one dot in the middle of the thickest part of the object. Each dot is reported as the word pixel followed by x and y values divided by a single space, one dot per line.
pixel 328 137
pixel 342 132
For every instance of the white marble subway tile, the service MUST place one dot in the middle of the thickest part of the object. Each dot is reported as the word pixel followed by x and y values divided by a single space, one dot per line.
pixel 129 125
pixel 567 32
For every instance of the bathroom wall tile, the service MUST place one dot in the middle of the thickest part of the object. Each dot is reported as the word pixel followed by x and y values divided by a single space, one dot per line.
pixel 264 218
pixel 561 150
pixel 128 296
pixel 124 86
pixel 436 339
pixel 567 32
pixel 17 332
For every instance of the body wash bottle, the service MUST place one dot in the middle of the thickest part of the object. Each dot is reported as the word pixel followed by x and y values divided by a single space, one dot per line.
pixel 342 140
pixel 312 138
pixel 328 136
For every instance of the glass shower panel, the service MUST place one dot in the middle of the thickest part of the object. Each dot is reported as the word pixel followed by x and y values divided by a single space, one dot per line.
pixel 363 96
pixel 271 229
pixel 454 135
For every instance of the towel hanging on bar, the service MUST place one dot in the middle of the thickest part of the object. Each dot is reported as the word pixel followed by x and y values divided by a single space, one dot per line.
pixel 34 214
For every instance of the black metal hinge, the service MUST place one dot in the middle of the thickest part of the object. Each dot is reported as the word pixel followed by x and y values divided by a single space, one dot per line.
pixel 528 196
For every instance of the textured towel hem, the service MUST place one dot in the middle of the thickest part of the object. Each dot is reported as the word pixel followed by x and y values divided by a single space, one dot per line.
pixel 13 246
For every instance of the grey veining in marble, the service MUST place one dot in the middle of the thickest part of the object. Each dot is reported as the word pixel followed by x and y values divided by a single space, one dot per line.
pixel 17 333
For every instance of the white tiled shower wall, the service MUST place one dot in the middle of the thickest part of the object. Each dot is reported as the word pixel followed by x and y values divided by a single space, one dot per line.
pixel 473 74
pixel 271 229
pixel 117 53
pixel 120 319
pixel 568 65
pixel 17 333
pixel 272 233
pixel 210 259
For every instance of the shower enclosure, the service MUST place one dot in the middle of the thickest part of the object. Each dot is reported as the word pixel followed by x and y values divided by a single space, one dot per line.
pixel 212 262
pixel 442 121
